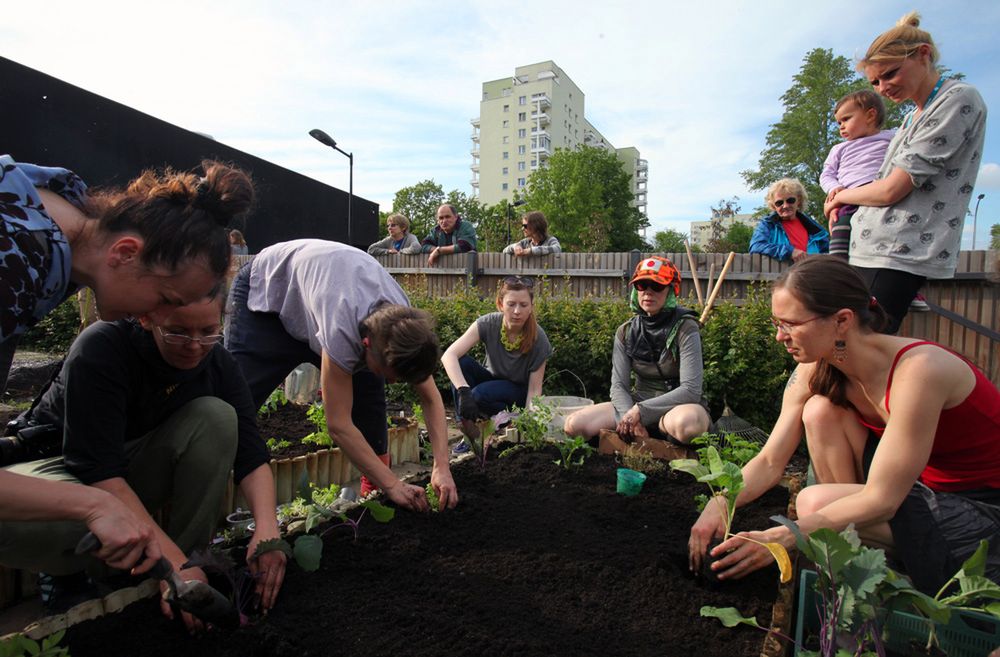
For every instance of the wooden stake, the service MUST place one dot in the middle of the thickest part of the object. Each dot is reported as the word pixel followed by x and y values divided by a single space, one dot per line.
pixel 717 288
pixel 694 273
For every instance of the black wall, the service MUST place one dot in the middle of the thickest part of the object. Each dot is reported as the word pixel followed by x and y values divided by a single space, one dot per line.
pixel 47 121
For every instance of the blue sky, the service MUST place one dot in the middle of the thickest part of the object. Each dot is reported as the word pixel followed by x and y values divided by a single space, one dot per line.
pixel 694 86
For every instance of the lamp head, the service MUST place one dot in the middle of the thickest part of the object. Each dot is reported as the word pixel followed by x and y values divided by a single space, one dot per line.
pixel 322 137
pixel 981 197
pixel 519 202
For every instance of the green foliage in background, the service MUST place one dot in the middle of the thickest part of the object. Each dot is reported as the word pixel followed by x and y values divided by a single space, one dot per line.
pixel 744 365
pixel 57 330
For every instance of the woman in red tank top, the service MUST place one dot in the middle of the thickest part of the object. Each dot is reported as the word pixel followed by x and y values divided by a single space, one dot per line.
pixel 904 435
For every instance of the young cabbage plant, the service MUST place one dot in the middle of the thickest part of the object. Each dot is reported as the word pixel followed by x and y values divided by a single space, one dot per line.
pixel 725 482
pixel 570 446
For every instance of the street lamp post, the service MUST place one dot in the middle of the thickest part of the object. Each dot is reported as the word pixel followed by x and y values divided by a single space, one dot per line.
pixel 975 215
pixel 327 140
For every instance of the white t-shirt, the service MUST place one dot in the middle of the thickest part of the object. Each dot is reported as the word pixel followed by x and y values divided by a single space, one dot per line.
pixel 322 291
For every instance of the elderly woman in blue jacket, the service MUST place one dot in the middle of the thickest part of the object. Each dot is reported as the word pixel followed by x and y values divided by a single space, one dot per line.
pixel 788 233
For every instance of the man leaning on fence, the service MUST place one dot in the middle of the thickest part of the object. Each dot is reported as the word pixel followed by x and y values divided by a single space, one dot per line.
pixel 451 235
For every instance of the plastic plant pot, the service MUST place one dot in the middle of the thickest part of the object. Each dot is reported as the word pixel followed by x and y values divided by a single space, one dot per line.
pixel 630 482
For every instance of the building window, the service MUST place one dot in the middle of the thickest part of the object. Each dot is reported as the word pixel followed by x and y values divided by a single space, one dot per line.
pixel 523 100
pixel 506 108
pixel 505 92
pixel 521 149
pixel 520 182
pixel 520 166
pixel 522 116
pixel 534 163
pixel 503 187
pixel 522 133
pixel 506 155
pixel 534 142
pixel 506 139
pixel 506 171
pixel 506 123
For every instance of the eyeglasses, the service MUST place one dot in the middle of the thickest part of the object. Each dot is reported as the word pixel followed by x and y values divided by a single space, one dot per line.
pixel 180 338
pixel 786 326
pixel 390 225
pixel 649 285
pixel 523 281
pixel 791 200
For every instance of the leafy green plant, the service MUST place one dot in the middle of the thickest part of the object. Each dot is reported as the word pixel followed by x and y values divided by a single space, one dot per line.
pixel 418 415
pixel 432 498
pixel 570 446
pixel 640 460
pixel 481 447
pixel 275 400
pixel 731 447
pixel 19 645
pixel 273 444
pixel 725 482
pixel 56 331
pixel 317 415
pixel 533 424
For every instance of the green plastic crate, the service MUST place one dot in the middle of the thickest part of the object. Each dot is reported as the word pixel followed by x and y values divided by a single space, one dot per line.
pixel 967 634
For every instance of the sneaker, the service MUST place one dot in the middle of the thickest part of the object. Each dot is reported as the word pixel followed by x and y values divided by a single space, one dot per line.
pixel 461 447
pixel 919 304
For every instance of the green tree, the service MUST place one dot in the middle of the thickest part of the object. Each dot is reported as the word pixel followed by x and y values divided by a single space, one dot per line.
pixel 586 196
pixel 669 241
pixel 797 145
pixel 419 203
pixel 995 236
pixel 735 239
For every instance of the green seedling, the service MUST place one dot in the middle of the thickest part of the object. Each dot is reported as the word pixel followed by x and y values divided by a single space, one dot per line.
pixel 317 415
pixel 273 444
pixel 567 448
pixel 418 414
pixel 641 461
pixel 533 424
pixel 274 400
pixel 19 645
pixel 725 482
pixel 432 498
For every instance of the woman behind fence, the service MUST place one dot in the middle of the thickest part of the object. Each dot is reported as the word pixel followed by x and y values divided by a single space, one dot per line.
pixel 537 240
pixel 399 240
pixel 661 347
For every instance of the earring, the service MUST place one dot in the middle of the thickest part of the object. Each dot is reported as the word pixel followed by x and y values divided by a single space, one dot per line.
pixel 840 351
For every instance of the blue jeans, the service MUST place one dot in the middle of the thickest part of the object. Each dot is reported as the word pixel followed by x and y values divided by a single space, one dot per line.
pixel 492 394
pixel 267 353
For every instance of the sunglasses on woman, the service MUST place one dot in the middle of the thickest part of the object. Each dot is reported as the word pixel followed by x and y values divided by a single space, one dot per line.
pixel 642 286
pixel 791 200
pixel 522 281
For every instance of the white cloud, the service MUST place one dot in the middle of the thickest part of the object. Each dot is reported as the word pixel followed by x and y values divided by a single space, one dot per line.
pixel 989 177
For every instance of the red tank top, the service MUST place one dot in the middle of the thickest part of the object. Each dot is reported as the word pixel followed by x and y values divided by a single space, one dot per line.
pixel 966 451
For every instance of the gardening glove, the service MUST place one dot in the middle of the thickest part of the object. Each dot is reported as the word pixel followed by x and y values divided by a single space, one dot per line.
pixel 467 409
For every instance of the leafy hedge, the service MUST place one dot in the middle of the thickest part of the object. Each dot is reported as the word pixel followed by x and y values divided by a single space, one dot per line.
pixel 743 363
pixel 56 331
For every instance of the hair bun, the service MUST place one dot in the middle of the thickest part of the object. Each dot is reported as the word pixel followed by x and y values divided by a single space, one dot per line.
pixel 911 19
pixel 224 192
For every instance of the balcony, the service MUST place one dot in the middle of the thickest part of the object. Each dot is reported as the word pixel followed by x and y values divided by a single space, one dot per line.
pixel 474 182
pixel 641 176
pixel 475 150
pixel 642 165
pixel 540 117
pixel 475 122
pixel 475 167
pixel 474 136
pixel 542 100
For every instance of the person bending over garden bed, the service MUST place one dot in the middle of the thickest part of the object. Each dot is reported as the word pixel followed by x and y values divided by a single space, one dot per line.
pixel 159 243
pixel 516 351
pixel 904 436
pixel 155 412
pixel 661 346
pixel 319 302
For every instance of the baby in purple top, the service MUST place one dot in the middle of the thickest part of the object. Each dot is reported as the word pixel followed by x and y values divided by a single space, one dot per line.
pixel 856 161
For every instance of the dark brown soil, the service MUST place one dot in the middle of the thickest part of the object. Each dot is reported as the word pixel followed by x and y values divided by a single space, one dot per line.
pixel 289 422
pixel 534 561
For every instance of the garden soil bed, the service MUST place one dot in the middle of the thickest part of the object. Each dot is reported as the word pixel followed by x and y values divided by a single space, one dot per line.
pixel 534 561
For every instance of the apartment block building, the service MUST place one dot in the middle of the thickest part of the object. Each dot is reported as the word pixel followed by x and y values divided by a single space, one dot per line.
pixel 522 121
pixel 701 231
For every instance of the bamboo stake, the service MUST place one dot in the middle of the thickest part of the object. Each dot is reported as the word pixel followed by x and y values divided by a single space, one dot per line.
pixel 711 271
pixel 718 287
pixel 694 273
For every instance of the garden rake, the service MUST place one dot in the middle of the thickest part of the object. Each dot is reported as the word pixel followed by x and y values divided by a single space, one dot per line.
pixel 733 424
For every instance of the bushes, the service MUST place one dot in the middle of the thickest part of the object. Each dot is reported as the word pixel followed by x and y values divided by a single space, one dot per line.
pixel 743 363
pixel 57 330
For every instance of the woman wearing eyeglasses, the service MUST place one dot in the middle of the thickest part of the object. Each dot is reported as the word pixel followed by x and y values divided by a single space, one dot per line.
pixel 157 413
pixel 909 225
pixel 903 434
pixel 661 348
pixel 537 240
pixel 516 351
pixel 788 233
pixel 400 239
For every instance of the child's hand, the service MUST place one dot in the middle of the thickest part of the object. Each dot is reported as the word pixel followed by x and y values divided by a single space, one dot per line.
pixel 833 192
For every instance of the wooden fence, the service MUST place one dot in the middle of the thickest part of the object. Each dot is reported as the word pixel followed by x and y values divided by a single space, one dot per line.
pixel 964 310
